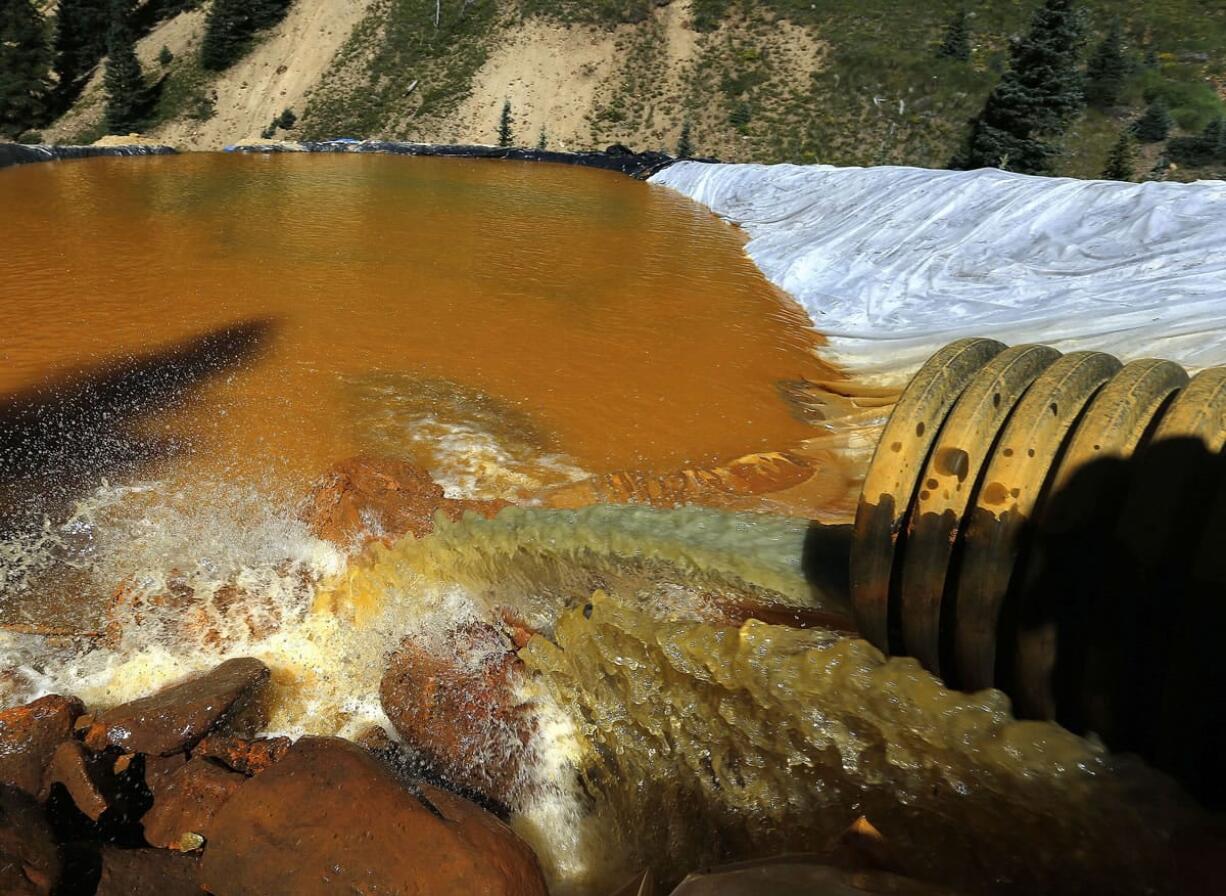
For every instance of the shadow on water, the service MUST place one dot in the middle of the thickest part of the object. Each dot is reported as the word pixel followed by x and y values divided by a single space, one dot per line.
pixel 66 433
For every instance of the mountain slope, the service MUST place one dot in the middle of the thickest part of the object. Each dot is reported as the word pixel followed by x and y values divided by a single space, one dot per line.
pixel 847 82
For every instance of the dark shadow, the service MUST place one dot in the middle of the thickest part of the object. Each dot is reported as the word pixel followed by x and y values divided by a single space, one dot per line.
pixel 73 429
pixel 824 562
pixel 1120 612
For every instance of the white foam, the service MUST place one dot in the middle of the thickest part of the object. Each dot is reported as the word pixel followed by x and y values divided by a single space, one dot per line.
pixel 891 263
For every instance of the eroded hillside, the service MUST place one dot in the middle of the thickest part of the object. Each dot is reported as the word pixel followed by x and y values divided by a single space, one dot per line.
pixel 845 82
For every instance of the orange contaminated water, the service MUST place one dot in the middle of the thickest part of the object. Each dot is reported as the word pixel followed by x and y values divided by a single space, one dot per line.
pixel 508 325
pixel 622 319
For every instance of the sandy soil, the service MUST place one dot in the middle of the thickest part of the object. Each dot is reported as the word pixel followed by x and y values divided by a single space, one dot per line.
pixel 557 78
pixel 278 74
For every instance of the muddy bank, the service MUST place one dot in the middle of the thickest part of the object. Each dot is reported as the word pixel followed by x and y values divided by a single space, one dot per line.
pixel 20 154
pixel 614 158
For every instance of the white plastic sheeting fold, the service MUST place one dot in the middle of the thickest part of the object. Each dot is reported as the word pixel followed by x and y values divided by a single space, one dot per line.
pixel 891 263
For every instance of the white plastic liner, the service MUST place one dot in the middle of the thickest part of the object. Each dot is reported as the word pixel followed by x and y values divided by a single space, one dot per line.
pixel 891 263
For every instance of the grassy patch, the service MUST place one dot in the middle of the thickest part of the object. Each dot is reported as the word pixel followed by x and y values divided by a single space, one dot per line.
pixel 395 48
pixel 184 93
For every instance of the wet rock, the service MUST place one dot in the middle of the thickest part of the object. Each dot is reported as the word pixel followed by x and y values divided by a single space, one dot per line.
pixel 86 778
pixel 799 875
pixel 148 872
pixel 185 803
pixel 177 717
pixel 29 736
pixel 29 860
pixel 247 756
pixel 367 498
pixel 459 712
pixel 330 819
pixel 158 768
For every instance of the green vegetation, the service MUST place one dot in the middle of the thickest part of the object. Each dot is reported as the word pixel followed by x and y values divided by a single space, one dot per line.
pixel 165 57
pixel 81 28
pixel 685 144
pixel 1107 69
pixel 1205 150
pixel 1122 162
pixel 957 42
pixel 231 27
pixel 24 60
pixel 397 44
pixel 127 95
pixel 183 93
pixel 1155 125
pixel 506 137
pixel 1036 101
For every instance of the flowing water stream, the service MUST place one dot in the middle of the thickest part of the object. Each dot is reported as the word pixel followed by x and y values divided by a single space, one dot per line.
pixel 188 342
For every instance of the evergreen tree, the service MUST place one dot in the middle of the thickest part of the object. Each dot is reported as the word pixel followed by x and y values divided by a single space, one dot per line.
pixel 1036 100
pixel 542 141
pixel 165 57
pixel 231 25
pixel 505 135
pixel 24 63
pixel 124 82
pixel 1122 161
pixel 1107 69
pixel 685 145
pixel 957 42
pixel 227 29
pixel 1155 125
pixel 266 13
pixel 81 28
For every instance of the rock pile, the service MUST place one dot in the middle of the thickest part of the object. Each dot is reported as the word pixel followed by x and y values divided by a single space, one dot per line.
pixel 177 793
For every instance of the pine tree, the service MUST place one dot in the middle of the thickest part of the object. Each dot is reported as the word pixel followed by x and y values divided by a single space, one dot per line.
pixel 124 82
pixel 231 25
pixel 505 135
pixel 1036 100
pixel 1122 161
pixel 685 145
pixel 957 42
pixel 266 13
pixel 81 28
pixel 542 141
pixel 227 31
pixel 24 63
pixel 1155 125
pixel 1107 69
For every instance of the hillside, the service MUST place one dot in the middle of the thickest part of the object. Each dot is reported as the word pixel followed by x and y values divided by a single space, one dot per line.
pixel 845 82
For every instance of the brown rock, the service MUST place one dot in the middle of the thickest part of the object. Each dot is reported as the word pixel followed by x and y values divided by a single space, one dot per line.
pixel 158 768
pixel 84 776
pixel 29 859
pixel 185 802
pixel 148 872
pixel 177 717
pixel 247 756
pixel 459 711
pixel 365 498
pixel 330 819
pixel 29 735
